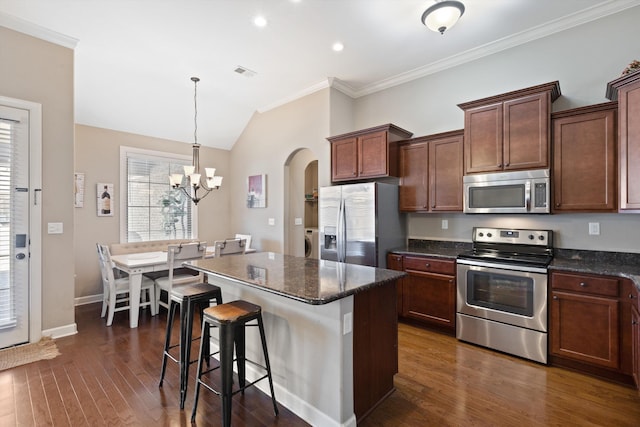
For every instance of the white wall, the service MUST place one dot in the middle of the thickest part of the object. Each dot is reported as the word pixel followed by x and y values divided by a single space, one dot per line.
pixel 582 59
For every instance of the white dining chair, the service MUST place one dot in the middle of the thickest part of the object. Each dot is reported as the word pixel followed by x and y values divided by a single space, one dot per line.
pixel 230 246
pixel 176 255
pixel 115 291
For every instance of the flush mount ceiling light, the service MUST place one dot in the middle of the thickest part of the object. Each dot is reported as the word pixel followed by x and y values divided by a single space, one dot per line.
pixel 442 15
pixel 192 179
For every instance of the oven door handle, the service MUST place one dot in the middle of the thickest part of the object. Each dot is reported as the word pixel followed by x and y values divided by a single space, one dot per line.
pixel 483 264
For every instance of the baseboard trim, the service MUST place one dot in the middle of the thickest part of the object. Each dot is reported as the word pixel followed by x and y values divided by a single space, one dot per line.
pixel 61 331
pixel 90 299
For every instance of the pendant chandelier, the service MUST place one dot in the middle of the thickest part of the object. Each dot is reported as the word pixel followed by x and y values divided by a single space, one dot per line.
pixel 192 177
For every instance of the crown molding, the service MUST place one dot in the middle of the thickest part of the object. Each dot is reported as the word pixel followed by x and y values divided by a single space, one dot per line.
pixel 20 25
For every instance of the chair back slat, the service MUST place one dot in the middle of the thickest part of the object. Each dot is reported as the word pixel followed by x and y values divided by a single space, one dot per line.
pixel 230 246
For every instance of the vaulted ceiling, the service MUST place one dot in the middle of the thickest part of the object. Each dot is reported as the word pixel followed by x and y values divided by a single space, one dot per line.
pixel 134 58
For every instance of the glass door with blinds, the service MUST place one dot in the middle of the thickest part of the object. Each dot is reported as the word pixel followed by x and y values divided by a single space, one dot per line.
pixel 14 226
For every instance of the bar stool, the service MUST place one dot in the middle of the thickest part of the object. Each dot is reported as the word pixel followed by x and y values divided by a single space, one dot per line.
pixel 231 318
pixel 185 298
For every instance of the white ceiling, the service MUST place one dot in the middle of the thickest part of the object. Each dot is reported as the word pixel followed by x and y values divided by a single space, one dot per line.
pixel 134 58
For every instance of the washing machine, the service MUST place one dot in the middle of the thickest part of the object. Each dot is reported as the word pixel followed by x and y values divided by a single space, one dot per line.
pixel 311 245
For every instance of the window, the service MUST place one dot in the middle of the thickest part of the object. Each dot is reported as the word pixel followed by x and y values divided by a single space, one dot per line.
pixel 150 208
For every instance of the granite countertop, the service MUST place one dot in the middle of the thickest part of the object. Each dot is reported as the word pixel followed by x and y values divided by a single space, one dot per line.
pixel 434 248
pixel 307 280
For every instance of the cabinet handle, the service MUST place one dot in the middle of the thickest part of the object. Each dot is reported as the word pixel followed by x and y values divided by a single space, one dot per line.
pixel 506 165
pixel 499 165
pixel 583 284
pixel 634 322
pixel 555 297
pixel 427 265
pixel 433 206
pixel 353 174
pixel 557 205
pixel 631 296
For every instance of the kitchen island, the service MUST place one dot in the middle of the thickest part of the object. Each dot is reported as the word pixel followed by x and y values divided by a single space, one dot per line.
pixel 331 330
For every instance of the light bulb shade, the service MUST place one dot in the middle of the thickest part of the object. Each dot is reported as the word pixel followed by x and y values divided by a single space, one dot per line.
pixel 211 172
pixel 195 178
pixel 189 170
pixel 442 15
pixel 215 182
pixel 175 179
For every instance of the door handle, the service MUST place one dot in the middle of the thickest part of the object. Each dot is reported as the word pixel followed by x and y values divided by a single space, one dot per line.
pixel 20 256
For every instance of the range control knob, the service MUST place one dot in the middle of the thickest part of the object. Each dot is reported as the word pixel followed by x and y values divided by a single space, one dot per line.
pixel 481 234
pixel 531 237
pixel 541 237
pixel 489 235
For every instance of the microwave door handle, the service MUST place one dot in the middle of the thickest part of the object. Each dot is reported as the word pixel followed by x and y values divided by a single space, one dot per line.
pixel 527 195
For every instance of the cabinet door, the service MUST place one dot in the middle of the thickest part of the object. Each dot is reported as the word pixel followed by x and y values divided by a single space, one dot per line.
pixel 344 159
pixel 585 328
pixel 414 162
pixel 584 165
pixel 526 132
pixel 373 155
pixel 430 298
pixel 629 111
pixel 483 139
pixel 394 262
pixel 445 174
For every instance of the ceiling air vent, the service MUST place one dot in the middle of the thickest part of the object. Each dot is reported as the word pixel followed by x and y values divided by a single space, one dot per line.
pixel 244 71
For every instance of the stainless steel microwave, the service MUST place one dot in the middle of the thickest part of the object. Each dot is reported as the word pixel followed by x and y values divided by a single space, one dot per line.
pixel 508 192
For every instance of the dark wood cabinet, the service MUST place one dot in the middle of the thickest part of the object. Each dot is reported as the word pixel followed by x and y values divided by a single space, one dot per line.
pixel 626 91
pixel 509 131
pixel 634 308
pixel 369 153
pixel 429 292
pixel 584 159
pixel 431 173
pixel 394 262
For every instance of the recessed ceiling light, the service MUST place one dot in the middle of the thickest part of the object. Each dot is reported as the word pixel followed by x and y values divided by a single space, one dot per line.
pixel 260 21
pixel 337 47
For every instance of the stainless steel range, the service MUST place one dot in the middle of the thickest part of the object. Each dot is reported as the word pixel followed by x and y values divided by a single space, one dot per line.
pixel 502 291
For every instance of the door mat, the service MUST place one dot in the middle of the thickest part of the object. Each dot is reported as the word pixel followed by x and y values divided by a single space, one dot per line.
pixel 21 355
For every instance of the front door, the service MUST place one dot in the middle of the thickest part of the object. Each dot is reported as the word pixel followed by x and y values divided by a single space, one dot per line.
pixel 14 226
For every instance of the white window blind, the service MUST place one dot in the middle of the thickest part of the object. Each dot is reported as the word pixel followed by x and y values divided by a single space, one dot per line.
pixel 8 294
pixel 154 210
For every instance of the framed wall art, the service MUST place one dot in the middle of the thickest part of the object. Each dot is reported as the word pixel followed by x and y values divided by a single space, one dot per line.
pixel 257 191
pixel 105 199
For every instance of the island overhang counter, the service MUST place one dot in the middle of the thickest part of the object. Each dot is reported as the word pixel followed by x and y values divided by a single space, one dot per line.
pixel 331 328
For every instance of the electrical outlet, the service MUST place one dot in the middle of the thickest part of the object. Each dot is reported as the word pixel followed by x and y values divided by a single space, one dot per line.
pixel 347 324
pixel 298 221
pixel 272 221
pixel 445 224
pixel 594 228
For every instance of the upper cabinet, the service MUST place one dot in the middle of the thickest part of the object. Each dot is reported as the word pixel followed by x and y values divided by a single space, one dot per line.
pixel 584 159
pixel 626 90
pixel 365 154
pixel 509 131
pixel 431 173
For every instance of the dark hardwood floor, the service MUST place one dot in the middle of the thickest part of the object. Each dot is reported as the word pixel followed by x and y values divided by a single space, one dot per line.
pixel 109 376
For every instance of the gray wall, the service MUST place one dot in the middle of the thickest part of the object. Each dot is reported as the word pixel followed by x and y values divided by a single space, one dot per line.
pixel 582 59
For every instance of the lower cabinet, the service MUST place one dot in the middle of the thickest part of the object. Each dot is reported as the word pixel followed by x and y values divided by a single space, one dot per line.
pixel 394 262
pixel 428 291
pixel 590 325
pixel 635 335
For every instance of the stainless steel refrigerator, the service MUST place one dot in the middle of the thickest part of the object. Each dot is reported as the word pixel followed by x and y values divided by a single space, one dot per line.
pixel 360 223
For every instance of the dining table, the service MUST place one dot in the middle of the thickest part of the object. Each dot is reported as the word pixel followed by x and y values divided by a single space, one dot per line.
pixel 137 264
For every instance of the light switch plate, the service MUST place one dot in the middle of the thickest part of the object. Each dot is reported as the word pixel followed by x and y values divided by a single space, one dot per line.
pixel 594 228
pixel 54 228
pixel 298 221
pixel 272 221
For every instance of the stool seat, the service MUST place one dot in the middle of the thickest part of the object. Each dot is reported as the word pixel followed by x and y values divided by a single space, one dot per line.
pixel 234 311
pixel 186 298
pixel 231 319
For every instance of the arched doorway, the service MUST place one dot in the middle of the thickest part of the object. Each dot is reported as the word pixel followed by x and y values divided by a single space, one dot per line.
pixel 300 209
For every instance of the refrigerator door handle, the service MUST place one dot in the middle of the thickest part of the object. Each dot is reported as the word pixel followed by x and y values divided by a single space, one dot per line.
pixel 340 240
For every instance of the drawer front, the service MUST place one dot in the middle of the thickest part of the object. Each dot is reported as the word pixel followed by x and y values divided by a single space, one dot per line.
pixel 431 265
pixel 597 285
